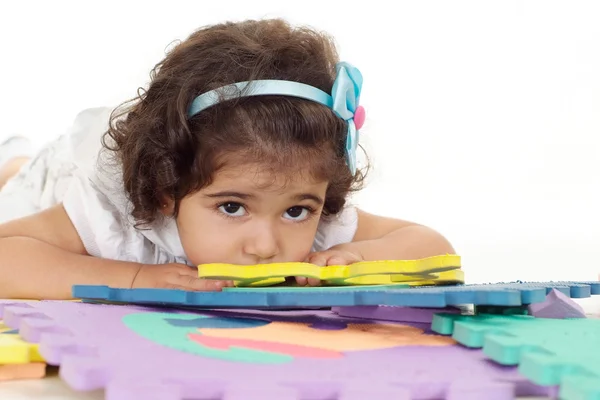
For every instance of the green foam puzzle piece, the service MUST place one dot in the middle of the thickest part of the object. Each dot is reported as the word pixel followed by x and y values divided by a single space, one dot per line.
pixel 563 352
pixel 318 288
pixel 501 310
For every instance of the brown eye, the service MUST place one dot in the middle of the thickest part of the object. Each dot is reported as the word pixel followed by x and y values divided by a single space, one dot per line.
pixel 297 213
pixel 232 209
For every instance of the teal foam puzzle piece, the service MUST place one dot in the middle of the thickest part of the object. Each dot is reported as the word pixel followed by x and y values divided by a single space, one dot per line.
pixel 563 352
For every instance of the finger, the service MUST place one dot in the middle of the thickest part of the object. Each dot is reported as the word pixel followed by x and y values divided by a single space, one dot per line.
pixel 336 260
pixel 319 259
pixel 187 271
pixel 354 258
pixel 314 282
pixel 194 283
pixel 342 260
pixel 301 280
pixel 193 273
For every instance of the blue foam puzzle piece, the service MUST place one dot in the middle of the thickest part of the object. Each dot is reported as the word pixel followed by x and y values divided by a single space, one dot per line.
pixel 500 294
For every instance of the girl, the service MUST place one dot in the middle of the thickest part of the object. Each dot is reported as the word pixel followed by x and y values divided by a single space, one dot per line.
pixel 241 151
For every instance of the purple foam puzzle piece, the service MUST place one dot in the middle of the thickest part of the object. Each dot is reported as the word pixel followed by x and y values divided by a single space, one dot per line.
pixel 6 303
pixel 392 313
pixel 558 306
pixel 108 346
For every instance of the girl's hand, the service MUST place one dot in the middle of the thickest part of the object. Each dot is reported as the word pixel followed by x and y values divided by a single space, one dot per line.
pixel 338 255
pixel 175 276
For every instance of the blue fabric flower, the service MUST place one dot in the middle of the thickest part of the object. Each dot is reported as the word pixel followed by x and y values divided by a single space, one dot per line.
pixel 346 95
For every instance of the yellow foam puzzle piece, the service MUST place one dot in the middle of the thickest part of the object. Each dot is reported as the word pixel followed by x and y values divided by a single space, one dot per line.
pixel 14 350
pixel 360 273
pixel 442 278
pixel 3 327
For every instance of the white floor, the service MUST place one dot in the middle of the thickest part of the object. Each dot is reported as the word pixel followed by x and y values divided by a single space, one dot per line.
pixel 52 388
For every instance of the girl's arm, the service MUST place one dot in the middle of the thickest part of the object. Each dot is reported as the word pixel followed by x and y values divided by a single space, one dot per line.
pixel 42 257
pixel 383 238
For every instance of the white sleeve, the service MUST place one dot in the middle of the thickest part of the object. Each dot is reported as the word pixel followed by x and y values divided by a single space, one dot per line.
pixel 335 230
pixel 97 206
pixel 103 228
pixel 97 221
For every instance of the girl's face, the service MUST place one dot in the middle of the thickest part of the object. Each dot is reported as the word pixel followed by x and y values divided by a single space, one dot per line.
pixel 249 215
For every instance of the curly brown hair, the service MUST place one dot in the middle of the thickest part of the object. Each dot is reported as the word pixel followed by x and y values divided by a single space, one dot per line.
pixel 165 154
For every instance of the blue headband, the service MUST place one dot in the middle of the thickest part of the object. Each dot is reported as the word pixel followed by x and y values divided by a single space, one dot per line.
pixel 344 100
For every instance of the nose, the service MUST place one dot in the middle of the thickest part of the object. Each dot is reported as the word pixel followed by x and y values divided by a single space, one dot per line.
pixel 262 242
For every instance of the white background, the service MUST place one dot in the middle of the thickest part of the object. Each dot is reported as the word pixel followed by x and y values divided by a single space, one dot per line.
pixel 482 116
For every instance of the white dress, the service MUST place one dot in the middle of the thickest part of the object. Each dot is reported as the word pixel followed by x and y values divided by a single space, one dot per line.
pixel 67 170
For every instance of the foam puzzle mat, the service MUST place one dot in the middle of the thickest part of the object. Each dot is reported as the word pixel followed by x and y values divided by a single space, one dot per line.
pixel 14 350
pixel 243 354
pixel 397 314
pixel 18 359
pixel 502 294
pixel 564 352
pixel 11 372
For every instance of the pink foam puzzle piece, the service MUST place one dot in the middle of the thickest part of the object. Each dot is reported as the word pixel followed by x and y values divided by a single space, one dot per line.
pixel 96 346
pixel 557 306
